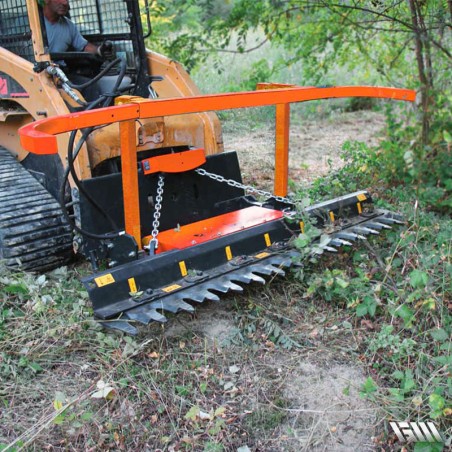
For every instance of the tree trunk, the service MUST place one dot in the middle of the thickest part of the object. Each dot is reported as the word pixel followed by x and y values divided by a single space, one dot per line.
pixel 423 76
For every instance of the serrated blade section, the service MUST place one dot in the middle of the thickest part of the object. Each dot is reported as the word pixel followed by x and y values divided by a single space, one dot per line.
pixel 200 293
pixel 340 242
pixel 347 235
pixel 377 225
pixel 365 230
pixel 250 276
pixel 262 269
pixel 224 285
pixel 145 314
pixel 390 220
pixel 281 262
pixel 172 304
pixel 277 270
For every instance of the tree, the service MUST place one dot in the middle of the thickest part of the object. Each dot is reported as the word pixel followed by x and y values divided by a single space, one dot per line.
pixel 400 42
pixel 389 36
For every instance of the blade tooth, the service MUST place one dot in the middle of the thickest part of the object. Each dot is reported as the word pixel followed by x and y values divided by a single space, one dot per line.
pixel 235 287
pixel 227 282
pixel 386 220
pixel 195 295
pixel 172 304
pixel 144 315
pixel 364 229
pixel 263 269
pixel 120 325
pixel 241 277
pixel 359 236
pixel 377 225
pixel 346 235
pixel 340 242
pixel 201 293
pixel 255 278
pixel 390 220
pixel 281 261
pixel 277 270
pixel 395 217
pixel 211 296
pixel 330 248
pixel 219 287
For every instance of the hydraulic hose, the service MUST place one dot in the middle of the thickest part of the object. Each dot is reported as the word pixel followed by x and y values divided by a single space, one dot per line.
pixel 105 99
pixel 97 77
pixel 71 170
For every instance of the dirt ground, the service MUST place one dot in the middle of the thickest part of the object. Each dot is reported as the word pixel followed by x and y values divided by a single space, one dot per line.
pixel 314 146
pixel 318 385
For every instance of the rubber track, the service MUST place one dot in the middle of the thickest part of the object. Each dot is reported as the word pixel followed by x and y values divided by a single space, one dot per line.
pixel 33 233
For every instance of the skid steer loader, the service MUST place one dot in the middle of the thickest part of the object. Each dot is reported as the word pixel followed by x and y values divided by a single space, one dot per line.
pixel 143 187
pixel 33 87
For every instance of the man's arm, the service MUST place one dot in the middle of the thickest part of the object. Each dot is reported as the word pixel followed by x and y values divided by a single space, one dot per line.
pixel 91 48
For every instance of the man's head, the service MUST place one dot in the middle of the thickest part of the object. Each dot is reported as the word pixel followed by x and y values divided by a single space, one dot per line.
pixel 54 9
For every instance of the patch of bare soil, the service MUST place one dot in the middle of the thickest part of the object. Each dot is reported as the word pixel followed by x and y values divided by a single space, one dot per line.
pixel 305 398
pixel 314 146
pixel 327 412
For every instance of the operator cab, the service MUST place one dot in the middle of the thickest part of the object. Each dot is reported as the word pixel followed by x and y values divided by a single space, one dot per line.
pixel 118 21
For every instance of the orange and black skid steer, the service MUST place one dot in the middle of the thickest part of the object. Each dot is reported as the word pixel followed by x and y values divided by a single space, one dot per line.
pixel 176 226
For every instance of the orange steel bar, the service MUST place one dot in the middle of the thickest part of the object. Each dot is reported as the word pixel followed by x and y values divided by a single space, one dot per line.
pixel 130 179
pixel 281 150
pixel 37 136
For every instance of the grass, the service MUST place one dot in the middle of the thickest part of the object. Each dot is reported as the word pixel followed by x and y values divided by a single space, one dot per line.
pixel 67 384
pixel 159 390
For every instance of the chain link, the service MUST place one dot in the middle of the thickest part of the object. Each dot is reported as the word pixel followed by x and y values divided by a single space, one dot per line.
pixel 234 183
pixel 153 244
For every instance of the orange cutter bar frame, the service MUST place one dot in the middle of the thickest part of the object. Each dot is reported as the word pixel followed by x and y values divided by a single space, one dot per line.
pixel 212 228
pixel 39 137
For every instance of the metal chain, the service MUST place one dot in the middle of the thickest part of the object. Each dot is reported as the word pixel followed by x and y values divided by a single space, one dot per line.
pixel 153 244
pixel 234 183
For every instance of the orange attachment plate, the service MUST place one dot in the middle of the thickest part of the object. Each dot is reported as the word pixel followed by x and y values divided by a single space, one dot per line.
pixel 177 162
pixel 213 228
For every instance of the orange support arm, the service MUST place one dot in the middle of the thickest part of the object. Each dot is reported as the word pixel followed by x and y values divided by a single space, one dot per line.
pixel 37 137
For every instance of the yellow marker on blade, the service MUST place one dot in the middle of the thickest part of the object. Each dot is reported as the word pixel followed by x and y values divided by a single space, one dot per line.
pixel 332 216
pixel 132 285
pixel 102 281
pixel 268 242
pixel 361 197
pixel 183 268
pixel 171 288
pixel 302 227
pixel 228 253
pixel 360 209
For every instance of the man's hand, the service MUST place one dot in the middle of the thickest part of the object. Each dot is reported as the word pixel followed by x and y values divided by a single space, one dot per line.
pixel 106 50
